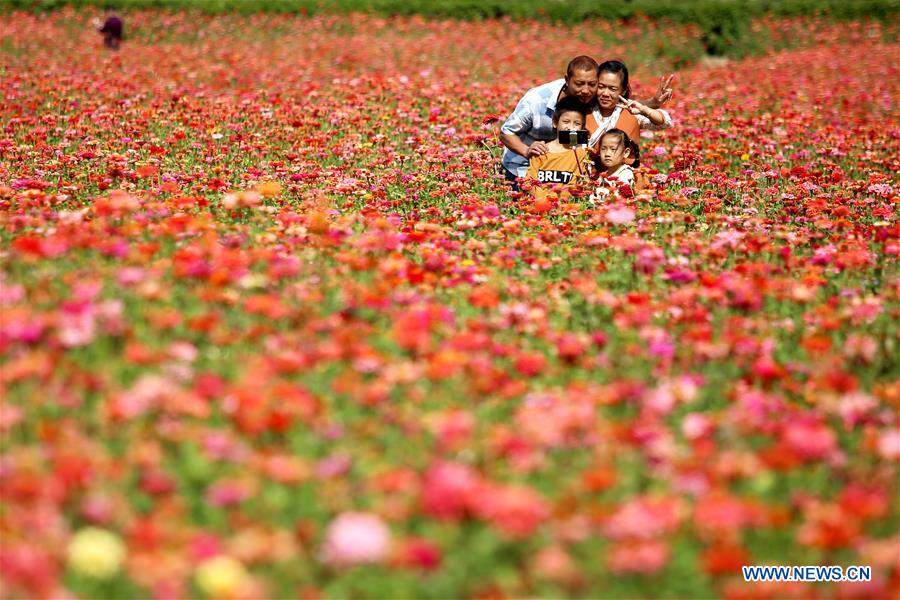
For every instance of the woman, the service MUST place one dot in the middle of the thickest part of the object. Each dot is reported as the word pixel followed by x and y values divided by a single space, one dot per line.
pixel 614 109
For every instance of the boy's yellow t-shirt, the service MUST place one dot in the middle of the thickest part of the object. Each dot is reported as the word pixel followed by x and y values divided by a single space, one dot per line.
pixel 555 171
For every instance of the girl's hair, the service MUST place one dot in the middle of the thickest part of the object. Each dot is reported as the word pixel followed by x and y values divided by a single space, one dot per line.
pixel 617 67
pixel 626 142
pixel 570 104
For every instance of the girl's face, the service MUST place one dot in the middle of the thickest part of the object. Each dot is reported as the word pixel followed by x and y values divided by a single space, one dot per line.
pixel 570 121
pixel 609 90
pixel 612 152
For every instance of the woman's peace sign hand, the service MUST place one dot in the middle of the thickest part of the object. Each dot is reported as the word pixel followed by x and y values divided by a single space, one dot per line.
pixel 635 107
pixel 663 91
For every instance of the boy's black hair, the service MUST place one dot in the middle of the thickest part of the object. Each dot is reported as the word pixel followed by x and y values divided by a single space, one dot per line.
pixel 627 142
pixel 570 104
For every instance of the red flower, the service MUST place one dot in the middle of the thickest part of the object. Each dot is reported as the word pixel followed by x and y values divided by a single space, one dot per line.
pixel 531 364
pixel 449 490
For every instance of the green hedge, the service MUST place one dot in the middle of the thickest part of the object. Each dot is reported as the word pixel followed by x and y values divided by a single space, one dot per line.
pixel 567 11
pixel 725 23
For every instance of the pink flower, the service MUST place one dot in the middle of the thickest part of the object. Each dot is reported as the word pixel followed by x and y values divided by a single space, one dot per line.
pixel 643 518
pixel 97 508
pixel 448 490
pixel 25 566
pixel 514 509
pixel 77 328
pixel 810 440
pixel 227 493
pixel 453 428
pixel 554 563
pixel 619 215
pixel 355 538
pixel 26 330
pixel 639 557
pixel 148 393
pixel 722 513
pixel 854 407
pixel 127 276
pixel 554 421
pixel 660 400
pixel 420 553
pixel 333 466
pixel 109 315
pixel 756 406
pixel 889 444
pixel 10 416
pixel 219 445
pixel 204 545
pixel 10 294
pixel 183 351
pixel 696 425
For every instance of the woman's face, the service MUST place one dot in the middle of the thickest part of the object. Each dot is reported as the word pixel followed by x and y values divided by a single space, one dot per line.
pixel 609 90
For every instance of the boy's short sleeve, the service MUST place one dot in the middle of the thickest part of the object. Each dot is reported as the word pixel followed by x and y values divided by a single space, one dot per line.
pixel 533 166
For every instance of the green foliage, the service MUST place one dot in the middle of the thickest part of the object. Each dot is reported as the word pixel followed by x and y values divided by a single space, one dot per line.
pixel 725 24
pixel 565 11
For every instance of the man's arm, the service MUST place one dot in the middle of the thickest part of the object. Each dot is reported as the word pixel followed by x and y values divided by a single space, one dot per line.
pixel 520 122
pixel 512 141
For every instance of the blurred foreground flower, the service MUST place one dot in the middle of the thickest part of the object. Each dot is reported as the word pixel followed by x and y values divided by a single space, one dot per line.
pixel 269 189
pixel 96 553
pixel 356 538
pixel 620 215
pixel 221 577
pixel 241 199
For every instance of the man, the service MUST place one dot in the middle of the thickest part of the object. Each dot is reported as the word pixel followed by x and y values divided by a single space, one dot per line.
pixel 531 124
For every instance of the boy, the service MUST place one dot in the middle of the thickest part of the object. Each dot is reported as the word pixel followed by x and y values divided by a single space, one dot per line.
pixel 563 164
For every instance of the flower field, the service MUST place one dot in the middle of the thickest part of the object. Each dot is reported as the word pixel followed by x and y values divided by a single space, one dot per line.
pixel 271 325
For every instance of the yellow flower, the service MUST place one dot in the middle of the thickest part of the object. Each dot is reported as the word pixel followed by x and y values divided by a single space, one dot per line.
pixel 269 189
pixel 221 577
pixel 96 553
pixel 745 157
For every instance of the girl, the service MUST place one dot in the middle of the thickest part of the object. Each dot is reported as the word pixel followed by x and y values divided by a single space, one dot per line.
pixel 615 149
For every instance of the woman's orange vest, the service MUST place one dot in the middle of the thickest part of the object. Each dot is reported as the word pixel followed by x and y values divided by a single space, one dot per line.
pixel 626 122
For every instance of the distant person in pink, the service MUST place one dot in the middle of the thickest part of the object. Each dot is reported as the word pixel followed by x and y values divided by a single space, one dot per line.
pixel 111 28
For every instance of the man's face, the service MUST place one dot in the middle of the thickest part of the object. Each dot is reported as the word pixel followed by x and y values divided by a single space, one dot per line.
pixel 582 85
pixel 570 121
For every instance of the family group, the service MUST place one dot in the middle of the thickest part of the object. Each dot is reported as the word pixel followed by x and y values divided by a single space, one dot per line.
pixel 581 131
